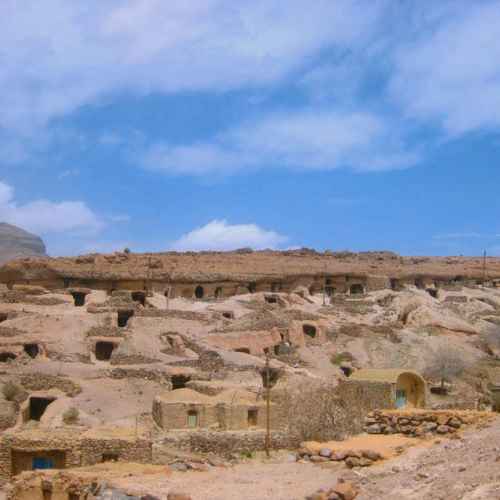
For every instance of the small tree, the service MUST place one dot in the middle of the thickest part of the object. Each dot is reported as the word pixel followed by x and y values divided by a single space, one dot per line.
pixel 445 364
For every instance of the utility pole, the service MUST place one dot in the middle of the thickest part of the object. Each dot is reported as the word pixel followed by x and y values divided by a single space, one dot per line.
pixel 268 409
pixel 484 267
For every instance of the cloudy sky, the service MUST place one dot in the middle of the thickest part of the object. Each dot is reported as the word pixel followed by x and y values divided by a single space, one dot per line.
pixel 219 124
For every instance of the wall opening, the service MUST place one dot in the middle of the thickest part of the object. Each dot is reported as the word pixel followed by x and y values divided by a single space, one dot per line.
pixel 252 287
pixel 32 350
pixel 276 349
pixel 179 381
pixel 38 406
pixel 432 292
pixel 275 287
pixel 330 291
pixel 218 292
pixel 199 292
pixel 356 289
pixel 7 356
pixel 79 298
pixel 33 460
pixel 3 317
pixel 139 297
pixel 104 350
pixel 244 350
pixel 346 370
pixel 395 284
pixel 228 315
pixel 253 417
pixel 309 330
pixel 192 418
pixel 110 457
pixel 124 316
pixel 419 283
pixel 271 299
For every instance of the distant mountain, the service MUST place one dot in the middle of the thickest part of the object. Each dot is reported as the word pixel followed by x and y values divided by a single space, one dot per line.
pixel 16 242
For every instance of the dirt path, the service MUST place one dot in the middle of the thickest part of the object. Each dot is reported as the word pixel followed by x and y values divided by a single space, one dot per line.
pixel 259 481
pixel 460 469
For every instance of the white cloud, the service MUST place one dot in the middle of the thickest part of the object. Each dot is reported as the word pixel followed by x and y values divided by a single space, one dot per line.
pixel 219 235
pixel 59 55
pixel 308 139
pixel 44 216
pixel 450 72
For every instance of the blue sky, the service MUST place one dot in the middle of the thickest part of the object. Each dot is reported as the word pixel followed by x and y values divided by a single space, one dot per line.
pixel 342 124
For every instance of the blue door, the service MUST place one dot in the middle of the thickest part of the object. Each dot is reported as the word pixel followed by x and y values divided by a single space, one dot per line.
pixel 42 463
pixel 401 398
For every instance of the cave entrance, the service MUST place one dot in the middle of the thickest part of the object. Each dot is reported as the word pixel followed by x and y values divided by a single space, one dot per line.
pixel 356 289
pixel 32 350
pixel 309 330
pixel 38 406
pixel 79 298
pixel 179 381
pixel 432 292
pixel 253 417
pixel 110 457
pixel 139 297
pixel 104 350
pixel 124 316
pixel 252 287
pixel 271 299
pixel 199 292
pixel 3 317
pixel 395 284
pixel 244 350
pixel 228 315
pixel 419 283
pixel 7 356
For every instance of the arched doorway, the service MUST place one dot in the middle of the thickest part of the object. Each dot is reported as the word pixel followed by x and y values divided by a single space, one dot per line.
pixel 410 390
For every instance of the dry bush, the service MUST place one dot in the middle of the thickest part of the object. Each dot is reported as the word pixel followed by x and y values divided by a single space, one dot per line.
pixel 444 364
pixel 11 391
pixel 71 416
pixel 314 412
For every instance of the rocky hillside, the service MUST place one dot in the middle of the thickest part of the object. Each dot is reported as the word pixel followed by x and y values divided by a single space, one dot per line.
pixel 16 242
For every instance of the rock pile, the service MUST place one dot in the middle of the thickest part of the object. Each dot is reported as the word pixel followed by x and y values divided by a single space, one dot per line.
pixel 351 458
pixel 343 490
pixel 420 422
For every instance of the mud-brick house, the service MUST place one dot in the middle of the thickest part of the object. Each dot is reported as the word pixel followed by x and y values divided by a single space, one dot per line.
pixel 30 449
pixel 390 388
pixel 186 409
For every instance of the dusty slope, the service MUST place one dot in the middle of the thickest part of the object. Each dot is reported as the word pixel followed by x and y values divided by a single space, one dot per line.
pixel 208 266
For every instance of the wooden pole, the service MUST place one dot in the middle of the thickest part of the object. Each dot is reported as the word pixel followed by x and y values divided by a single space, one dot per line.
pixel 484 267
pixel 268 409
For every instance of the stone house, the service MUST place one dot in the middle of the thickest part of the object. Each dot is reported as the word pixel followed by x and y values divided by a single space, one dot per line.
pixel 186 409
pixel 396 388
pixel 31 449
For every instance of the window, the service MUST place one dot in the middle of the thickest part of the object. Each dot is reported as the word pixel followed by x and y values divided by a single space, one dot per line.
pixel 253 417
pixel 192 419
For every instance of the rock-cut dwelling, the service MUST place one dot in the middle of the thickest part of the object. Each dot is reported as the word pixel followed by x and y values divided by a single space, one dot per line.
pixel 235 409
pixel 404 388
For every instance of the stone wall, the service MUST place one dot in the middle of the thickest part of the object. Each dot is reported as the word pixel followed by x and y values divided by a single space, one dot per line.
pixel 222 443
pixel 360 397
pixel 44 382
pixel 421 422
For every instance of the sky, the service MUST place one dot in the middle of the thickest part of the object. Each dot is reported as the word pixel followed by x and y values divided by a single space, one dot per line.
pixel 220 124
